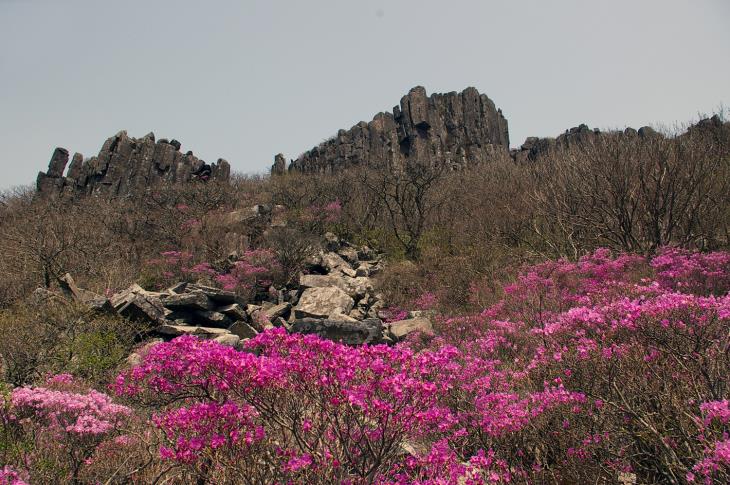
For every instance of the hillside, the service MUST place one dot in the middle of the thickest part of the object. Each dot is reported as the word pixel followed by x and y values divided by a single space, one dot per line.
pixel 408 302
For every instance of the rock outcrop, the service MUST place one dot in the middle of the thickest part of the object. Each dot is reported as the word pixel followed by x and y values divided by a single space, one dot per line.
pixel 453 128
pixel 335 299
pixel 581 137
pixel 126 166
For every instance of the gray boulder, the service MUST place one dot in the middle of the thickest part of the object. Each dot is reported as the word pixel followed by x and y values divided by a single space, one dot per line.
pixel 234 311
pixel 243 330
pixel 209 318
pixel 195 300
pixel 400 329
pixel 322 302
pixel 229 340
pixel 349 333
pixel 170 330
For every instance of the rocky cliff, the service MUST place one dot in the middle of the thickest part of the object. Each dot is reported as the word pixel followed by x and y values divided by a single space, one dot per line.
pixel 126 166
pixel 453 128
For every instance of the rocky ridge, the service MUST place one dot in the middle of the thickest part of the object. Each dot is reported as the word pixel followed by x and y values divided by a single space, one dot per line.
pixel 126 166
pixel 458 129
pixel 453 128
pixel 534 148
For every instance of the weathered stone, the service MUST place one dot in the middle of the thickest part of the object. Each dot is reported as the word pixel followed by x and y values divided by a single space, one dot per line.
pixel 119 299
pixel 321 302
pixel 251 309
pixel 196 300
pixel 243 330
pixel 318 281
pixel 334 262
pixel 349 254
pixel 58 162
pixel 280 322
pixel 234 311
pixel 75 168
pixel 292 296
pixel 363 270
pixel 208 318
pixel 229 340
pixel 181 317
pixel 355 287
pixel 127 166
pixel 279 167
pixel 348 272
pixel 203 332
pixel 331 242
pixel 358 313
pixel 177 288
pixel 350 333
pixel 141 308
pixel 398 330
pixel 276 311
pixel 453 128
pixel 216 294
pixel 92 300
pixel 341 317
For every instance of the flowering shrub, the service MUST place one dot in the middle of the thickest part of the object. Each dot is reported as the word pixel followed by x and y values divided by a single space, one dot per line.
pixel 682 270
pixel 255 269
pixel 65 423
pixel 8 476
pixel 582 371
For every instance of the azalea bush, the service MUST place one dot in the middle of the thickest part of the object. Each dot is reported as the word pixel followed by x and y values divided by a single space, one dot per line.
pixel 580 372
pixel 62 424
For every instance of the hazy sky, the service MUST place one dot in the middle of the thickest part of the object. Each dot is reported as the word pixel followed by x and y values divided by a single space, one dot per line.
pixel 244 80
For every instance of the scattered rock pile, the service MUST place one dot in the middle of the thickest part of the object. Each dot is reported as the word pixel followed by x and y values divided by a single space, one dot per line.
pixel 335 299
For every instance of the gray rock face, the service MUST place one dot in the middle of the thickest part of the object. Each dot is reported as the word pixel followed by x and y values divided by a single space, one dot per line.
pixel 579 136
pixel 452 128
pixel 127 166
pixel 58 162
pixel 350 333
pixel 279 166
pixel 323 302
pixel 196 300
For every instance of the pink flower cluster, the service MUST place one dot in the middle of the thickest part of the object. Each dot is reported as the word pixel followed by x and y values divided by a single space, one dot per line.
pixel 682 270
pixel 207 426
pixel 8 476
pixel 254 268
pixel 581 371
pixel 92 413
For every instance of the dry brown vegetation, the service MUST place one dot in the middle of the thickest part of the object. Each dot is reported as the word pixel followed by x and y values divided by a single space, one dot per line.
pixel 628 193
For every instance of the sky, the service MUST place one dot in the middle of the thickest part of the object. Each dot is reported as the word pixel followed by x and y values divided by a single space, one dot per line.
pixel 244 80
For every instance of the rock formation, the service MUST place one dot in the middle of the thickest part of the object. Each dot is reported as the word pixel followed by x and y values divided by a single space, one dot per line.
pixel 335 299
pixel 533 149
pixel 126 166
pixel 458 129
pixel 453 128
